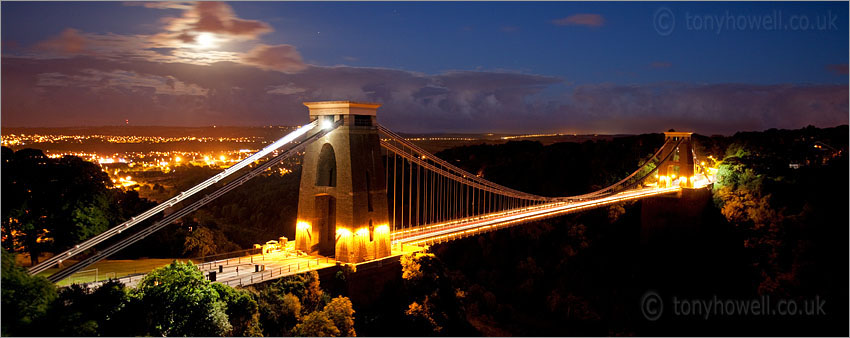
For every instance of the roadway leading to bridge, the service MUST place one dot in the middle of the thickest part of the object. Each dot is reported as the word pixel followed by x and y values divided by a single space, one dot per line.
pixel 242 271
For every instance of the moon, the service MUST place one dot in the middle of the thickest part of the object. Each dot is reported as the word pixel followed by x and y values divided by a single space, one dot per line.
pixel 206 40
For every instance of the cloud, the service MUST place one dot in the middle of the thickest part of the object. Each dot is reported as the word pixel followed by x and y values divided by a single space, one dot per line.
pixel 178 42
pixel 90 91
pixel 70 41
pixel 86 90
pixel 287 89
pixel 284 58
pixel 589 20
pixel 838 69
pixel 509 29
pixel 218 17
pixel 660 64
pixel 214 17
pixel 716 108
pixel 182 5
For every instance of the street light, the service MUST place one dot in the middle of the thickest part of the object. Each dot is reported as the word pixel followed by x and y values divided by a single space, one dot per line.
pixel 327 122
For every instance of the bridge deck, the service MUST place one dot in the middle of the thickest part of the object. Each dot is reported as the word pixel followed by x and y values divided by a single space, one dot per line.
pixel 241 271
pixel 434 233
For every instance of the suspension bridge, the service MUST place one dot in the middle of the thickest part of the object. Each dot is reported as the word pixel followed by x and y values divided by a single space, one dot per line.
pixel 366 192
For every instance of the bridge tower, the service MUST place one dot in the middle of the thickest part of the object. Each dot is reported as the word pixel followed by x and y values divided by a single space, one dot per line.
pixel 678 169
pixel 342 203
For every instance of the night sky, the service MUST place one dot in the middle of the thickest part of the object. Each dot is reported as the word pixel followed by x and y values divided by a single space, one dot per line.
pixel 436 67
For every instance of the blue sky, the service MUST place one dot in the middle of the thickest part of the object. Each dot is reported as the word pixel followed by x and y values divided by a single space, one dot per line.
pixel 503 62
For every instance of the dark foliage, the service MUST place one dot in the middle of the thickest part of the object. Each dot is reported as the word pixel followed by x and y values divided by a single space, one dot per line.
pixel 51 204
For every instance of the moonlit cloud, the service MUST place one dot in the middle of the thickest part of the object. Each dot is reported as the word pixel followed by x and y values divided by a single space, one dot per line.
pixel 201 35
pixel 206 65
pixel 214 17
pixel 86 90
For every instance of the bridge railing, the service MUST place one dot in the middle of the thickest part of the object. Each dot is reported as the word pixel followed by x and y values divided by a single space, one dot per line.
pixel 226 255
pixel 242 260
pixel 276 273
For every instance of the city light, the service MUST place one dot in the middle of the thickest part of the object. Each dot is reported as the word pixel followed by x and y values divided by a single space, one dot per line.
pixel 529 136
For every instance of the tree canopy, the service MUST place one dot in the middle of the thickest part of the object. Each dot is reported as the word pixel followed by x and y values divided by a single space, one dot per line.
pixel 177 301
pixel 51 204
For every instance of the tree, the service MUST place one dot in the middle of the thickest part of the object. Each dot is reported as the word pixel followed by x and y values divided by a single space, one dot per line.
pixel 316 324
pixel 297 305
pixel 434 302
pixel 290 313
pixel 176 300
pixel 410 267
pixel 306 287
pixel 341 312
pixel 278 313
pixel 72 313
pixel 200 242
pixel 52 204
pixel 25 298
pixel 242 311
pixel 88 219
pixel 108 304
pixel 423 316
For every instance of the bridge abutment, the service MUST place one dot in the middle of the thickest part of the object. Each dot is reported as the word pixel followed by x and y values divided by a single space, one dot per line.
pixel 673 218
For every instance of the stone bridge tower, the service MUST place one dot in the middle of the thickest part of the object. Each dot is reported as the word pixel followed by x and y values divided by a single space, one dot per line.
pixel 678 170
pixel 342 202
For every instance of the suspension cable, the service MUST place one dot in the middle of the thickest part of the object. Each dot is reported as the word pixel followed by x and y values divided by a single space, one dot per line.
pixel 91 242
